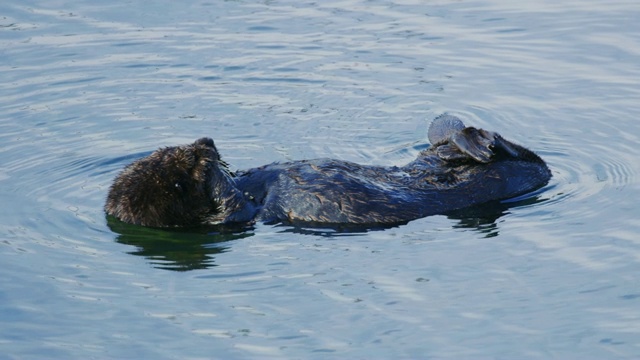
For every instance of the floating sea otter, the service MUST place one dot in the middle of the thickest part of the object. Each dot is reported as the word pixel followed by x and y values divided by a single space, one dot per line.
pixel 191 186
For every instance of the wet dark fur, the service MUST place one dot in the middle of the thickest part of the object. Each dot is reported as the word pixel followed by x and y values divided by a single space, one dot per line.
pixel 190 185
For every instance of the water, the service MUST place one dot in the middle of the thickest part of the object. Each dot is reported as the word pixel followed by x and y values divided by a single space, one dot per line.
pixel 88 87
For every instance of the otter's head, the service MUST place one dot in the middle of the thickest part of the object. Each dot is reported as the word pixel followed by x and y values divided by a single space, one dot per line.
pixel 174 186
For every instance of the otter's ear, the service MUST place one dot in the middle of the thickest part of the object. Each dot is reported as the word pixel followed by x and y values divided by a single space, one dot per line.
pixel 205 141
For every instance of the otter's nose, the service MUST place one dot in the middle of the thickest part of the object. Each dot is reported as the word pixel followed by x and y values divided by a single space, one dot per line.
pixel 205 141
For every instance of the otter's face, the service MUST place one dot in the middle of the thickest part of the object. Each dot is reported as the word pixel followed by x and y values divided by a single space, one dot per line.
pixel 171 187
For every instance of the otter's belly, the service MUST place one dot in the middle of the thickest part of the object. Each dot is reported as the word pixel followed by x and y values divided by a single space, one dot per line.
pixel 339 192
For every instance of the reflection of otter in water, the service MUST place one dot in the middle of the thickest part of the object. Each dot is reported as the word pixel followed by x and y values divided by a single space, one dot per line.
pixel 190 185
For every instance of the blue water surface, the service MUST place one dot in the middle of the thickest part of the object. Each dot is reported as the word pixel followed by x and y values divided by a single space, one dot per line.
pixel 89 86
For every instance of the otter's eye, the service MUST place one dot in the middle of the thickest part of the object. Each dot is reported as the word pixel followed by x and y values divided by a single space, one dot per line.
pixel 178 186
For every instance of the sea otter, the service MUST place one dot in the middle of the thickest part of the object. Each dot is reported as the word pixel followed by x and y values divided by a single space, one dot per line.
pixel 190 185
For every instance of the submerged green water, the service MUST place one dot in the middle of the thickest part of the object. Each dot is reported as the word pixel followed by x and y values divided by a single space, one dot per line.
pixel 88 88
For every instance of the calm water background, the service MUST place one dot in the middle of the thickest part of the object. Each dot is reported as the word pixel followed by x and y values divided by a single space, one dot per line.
pixel 87 87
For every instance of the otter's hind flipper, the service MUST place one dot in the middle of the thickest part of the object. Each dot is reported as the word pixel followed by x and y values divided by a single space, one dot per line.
pixel 474 143
pixel 482 145
pixel 468 144
pixel 454 141
pixel 450 152
pixel 443 127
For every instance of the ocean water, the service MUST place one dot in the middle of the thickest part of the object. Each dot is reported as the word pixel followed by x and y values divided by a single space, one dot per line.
pixel 88 87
